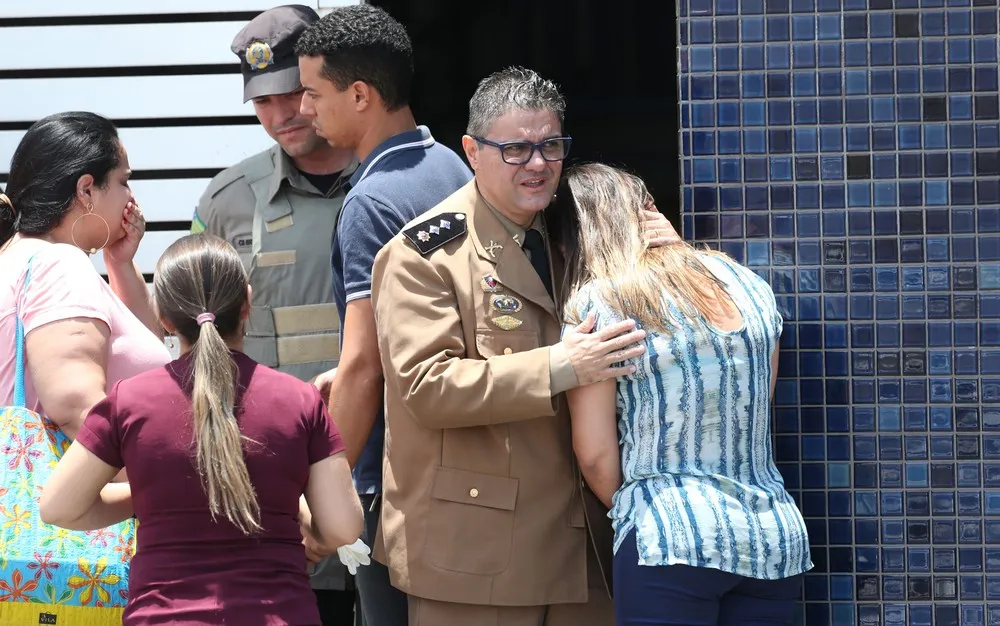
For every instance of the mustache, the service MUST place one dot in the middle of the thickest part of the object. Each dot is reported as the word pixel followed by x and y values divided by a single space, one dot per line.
pixel 298 122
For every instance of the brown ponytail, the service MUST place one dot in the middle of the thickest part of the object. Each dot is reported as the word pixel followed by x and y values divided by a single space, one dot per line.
pixel 201 289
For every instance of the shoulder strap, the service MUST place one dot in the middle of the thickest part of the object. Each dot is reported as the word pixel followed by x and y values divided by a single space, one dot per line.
pixel 433 232
pixel 19 394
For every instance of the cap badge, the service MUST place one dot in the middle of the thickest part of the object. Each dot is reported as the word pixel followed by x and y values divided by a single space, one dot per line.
pixel 259 55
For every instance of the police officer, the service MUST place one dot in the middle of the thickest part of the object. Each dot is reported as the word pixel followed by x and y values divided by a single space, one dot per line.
pixel 279 209
pixel 484 518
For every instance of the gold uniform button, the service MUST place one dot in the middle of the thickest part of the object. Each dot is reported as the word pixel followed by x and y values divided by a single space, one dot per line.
pixel 473 493
pixel 508 351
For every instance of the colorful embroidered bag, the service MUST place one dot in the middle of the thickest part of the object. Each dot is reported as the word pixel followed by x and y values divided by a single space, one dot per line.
pixel 50 575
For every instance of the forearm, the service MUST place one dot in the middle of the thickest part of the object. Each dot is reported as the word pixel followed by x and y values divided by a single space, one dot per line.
pixel 113 505
pixel 469 392
pixel 603 476
pixel 306 521
pixel 355 399
pixel 128 284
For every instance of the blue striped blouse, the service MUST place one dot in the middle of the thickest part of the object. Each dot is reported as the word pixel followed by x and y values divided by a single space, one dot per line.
pixel 699 482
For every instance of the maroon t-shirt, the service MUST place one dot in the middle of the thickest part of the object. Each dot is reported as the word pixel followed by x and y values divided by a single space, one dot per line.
pixel 189 569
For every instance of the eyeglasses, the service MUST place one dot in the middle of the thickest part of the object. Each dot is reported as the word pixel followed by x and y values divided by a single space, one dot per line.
pixel 520 152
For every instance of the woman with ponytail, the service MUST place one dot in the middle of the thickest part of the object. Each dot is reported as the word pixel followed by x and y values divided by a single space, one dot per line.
pixel 679 450
pixel 219 452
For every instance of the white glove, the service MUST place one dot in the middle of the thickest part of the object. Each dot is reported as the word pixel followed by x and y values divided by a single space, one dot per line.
pixel 354 556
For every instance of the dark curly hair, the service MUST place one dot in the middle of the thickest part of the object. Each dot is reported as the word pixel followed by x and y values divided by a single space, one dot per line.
pixel 363 43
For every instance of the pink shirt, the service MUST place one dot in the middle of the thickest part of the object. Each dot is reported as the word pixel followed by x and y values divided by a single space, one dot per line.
pixel 64 284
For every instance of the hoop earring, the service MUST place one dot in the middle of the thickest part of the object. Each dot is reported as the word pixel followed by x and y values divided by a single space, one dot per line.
pixel 90 213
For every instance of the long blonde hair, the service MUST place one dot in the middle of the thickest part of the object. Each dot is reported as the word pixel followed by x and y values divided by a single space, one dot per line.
pixel 203 274
pixel 600 229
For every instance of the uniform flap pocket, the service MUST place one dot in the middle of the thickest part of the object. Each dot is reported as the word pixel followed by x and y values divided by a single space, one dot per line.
pixel 275 258
pixel 498 342
pixel 261 322
pixel 495 492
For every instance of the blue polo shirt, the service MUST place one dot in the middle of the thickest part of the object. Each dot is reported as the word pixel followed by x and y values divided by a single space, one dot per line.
pixel 403 177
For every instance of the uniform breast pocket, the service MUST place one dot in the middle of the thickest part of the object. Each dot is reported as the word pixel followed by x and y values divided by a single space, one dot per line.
pixel 496 342
pixel 471 521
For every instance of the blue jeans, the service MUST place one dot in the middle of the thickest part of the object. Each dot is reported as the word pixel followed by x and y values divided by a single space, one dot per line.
pixel 381 603
pixel 681 595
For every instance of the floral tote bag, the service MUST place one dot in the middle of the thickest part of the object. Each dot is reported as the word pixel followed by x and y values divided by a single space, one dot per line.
pixel 50 575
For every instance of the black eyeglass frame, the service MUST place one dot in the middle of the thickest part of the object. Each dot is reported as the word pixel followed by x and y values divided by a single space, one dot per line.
pixel 534 146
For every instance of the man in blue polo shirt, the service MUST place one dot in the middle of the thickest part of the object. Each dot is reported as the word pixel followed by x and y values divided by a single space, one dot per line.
pixel 356 66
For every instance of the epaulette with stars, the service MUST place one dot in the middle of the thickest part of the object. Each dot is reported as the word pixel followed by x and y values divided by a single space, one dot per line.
pixel 436 231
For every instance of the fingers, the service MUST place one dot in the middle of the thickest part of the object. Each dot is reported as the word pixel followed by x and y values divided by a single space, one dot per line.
pixel 625 354
pixel 617 372
pixel 133 218
pixel 613 331
pixel 311 555
pixel 588 322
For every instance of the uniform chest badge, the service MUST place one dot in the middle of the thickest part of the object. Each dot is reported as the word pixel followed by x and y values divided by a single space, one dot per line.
pixel 489 283
pixel 505 304
pixel 506 322
pixel 259 55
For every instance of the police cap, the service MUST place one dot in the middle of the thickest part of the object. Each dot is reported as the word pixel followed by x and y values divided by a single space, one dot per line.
pixel 266 48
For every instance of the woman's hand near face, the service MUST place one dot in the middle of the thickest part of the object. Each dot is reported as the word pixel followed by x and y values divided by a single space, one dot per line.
pixel 124 275
pixel 122 252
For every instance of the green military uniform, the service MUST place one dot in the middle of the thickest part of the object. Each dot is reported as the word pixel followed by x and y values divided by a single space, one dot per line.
pixel 283 228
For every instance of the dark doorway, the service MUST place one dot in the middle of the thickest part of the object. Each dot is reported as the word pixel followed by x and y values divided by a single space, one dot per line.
pixel 615 61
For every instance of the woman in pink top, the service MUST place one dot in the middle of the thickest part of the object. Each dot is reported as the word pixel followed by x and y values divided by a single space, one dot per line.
pixel 67 197
pixel 219 450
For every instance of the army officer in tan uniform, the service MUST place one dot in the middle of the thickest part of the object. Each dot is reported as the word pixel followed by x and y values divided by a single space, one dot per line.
pixel 482 516
pixel 279 209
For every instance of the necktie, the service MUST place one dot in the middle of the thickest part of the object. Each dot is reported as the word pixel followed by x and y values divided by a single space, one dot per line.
pixel 539 259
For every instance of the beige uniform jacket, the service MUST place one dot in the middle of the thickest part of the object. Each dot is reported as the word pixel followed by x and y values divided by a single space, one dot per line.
pixel 481 494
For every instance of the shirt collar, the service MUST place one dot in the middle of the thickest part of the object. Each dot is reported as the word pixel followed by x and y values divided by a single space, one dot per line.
pixel 285 170
pixel 515 231
pixel 422 133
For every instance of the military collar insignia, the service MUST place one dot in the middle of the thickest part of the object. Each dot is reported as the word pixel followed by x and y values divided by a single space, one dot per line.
pixel 434 232
pixel 492 248
pixel 259 56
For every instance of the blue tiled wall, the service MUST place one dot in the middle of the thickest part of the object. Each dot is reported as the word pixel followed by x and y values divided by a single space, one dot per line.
pixel 849 150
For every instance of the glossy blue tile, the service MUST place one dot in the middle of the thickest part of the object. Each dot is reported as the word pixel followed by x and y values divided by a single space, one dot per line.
pixel 870 178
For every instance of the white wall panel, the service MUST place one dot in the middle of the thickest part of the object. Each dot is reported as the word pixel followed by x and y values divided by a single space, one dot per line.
pixel 169 148
pixel 150 249
pixel 70 8
pixel 169 200
pixel 126 97
pixel 119 45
